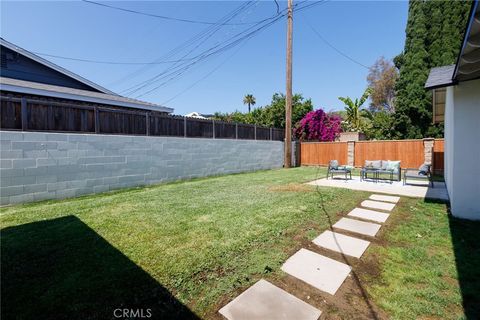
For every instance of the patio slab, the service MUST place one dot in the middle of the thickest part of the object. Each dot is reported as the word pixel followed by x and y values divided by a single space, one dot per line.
pixel 361 227
pixel 318 271
pixel 367 214
pixel 263 300
pixel 419 190
pixel 379 197
pixel 341 243
pixel 378 205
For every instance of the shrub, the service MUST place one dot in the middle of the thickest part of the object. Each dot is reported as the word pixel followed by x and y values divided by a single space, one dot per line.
pixel 318 125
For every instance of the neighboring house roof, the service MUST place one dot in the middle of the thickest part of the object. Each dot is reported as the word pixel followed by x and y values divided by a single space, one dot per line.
pixel 53 66
pixel 440 77
pixel 36 88
pixel 195 115
pixel 467 66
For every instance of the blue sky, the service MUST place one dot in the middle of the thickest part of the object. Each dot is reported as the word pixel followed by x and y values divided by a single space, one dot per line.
pixel 365 30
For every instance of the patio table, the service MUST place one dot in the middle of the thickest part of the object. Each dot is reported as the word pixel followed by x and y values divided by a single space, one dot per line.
pixel 364 174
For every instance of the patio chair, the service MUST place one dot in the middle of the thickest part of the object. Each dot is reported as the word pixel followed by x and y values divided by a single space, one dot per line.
pixel 334 168
pixel 422 173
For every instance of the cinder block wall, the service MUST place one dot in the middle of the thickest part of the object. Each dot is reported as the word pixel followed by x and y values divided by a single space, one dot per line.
pixel 38 166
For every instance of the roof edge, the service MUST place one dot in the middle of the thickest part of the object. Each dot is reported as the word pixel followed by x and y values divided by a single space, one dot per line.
pixel 78 97
pixel 54 66
pixel 471 17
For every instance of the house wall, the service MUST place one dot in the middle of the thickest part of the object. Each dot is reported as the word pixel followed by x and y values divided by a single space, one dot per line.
pixel 23 68
pixel 462 149
pixel 38 166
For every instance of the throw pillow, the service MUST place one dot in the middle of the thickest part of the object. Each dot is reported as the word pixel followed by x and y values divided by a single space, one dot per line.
pixel 424 169
pixel 377 164
pixel 393 166
pixel 334 164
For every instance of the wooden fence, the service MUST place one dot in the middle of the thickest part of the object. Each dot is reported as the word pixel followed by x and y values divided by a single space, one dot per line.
pixel 411 153
pixel 319 153
pixel 44 115
pixel 438 156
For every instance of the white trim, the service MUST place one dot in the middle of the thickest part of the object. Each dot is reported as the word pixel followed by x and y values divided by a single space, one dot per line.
pixel 71 96
pixel 53 66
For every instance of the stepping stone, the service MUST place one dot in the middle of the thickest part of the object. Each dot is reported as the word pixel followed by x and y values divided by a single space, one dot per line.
pixel 361 227
pixel 263 300
pixel 318 271
pixel 341 243
pixel 369 215
pixel 378 205
pixel 379 197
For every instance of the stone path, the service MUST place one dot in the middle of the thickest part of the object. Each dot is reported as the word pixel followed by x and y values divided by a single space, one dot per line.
pixel 263 300
pixel 378 205
pixel 341 243
pixel 357 226
pixel 367 214
pixel 379 197
pixel 318 271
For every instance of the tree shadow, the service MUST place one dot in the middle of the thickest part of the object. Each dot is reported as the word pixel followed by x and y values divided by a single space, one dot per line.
pixel 466 246
pixel 62 269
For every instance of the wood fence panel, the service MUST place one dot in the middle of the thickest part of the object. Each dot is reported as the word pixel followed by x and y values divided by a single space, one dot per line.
pixel 225 130
pixel 409 152
pixel 42 114
pixel 438 156
pixel 320 153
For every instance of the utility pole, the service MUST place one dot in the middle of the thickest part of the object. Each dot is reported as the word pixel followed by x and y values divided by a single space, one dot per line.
pixel 288 96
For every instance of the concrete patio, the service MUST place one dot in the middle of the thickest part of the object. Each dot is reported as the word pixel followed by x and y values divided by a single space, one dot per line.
pixel 417 189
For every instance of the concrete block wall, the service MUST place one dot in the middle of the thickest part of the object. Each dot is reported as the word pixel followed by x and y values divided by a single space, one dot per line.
pixel 38 166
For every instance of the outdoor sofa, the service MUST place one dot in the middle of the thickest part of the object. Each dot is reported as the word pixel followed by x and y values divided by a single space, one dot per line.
pixel 334 168
pixel 381 169
pixel 422 173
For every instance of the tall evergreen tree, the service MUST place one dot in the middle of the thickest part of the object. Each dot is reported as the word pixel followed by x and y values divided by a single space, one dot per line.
pixel 433 37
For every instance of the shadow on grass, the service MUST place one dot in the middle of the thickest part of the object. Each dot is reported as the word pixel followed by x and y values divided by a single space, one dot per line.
pixel 62 269
pixel 466 246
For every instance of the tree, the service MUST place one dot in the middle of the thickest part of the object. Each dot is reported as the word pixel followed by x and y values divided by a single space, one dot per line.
pixel 318 125
pixel 275 112
pixel 433 37
pixel 355 115
pixel 272 115
pixel 250 100
pixel 381 126
pixel 381 79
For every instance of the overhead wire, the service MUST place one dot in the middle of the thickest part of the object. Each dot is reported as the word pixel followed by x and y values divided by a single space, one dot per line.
pixel 201 38
pixel 161 16
pixel 183 68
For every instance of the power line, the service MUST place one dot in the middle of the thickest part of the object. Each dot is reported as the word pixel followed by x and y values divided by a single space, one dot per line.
pixel 205 76
pixel 160 16
pixel 183 67
pixel 334 48
pixel 201 37
pixel 177 70
pixel 209 52
pixel 278 7
pixel 204 56
pixel 109 62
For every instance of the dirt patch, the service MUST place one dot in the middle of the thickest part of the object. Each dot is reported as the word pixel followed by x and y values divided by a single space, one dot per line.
pixel 291 187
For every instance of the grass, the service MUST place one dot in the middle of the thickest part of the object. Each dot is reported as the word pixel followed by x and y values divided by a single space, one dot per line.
pixel 430 265
pixel 182 249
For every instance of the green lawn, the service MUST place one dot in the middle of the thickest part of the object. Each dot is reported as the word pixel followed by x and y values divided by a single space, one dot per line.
pixel 184 249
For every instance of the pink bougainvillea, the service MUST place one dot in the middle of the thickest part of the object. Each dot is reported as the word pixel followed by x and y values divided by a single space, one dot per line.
pixel 318 125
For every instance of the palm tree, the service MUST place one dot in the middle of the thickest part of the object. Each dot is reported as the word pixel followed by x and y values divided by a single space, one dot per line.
pixel 354 113
pixel 250 100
